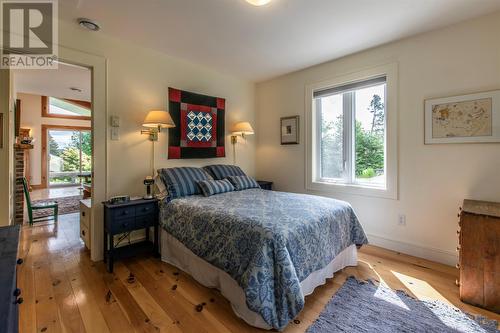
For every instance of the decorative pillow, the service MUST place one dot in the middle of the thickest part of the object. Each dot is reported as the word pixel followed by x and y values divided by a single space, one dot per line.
pixel 243 182
pixel 181 182
pixel 211 187
pixel 221 171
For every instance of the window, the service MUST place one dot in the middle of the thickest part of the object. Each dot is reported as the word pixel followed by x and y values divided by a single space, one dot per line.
pixel 65 108
pixel 351 133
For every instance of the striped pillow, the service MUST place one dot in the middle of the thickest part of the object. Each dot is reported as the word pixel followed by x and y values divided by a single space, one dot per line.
pixel 211 187
pixel 182 182
pixel 243 182
pixel 222 171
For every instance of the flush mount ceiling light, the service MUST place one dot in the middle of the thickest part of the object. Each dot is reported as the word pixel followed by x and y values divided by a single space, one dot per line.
pixel 258 2
pixel 89 24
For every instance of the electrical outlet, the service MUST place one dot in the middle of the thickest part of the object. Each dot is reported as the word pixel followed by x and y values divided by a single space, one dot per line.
pixel 402 220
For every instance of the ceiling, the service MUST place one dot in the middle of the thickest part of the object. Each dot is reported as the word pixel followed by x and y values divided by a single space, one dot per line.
pixel 258 43
pixel 55 82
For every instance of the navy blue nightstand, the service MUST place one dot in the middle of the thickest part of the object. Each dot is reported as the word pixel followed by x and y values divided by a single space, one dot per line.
pixel 265 185
pixel 125 218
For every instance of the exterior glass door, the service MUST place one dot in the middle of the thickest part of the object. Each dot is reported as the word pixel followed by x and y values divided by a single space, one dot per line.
pixel 69 156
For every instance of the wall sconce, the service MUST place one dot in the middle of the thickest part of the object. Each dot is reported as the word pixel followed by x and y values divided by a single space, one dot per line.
pixel 155 121
pixel 240 129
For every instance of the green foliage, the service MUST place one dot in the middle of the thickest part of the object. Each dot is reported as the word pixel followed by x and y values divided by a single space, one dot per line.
pixel 53 146
pixel 71 160
pixel 369 150
pixel 368 173
pixel 377 109
pixel 86 143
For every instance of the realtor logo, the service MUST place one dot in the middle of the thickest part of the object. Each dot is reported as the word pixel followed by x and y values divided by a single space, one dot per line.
pixel 29 34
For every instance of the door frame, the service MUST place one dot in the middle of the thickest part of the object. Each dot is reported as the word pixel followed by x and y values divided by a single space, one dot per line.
pixel 44 163
pixel 98 66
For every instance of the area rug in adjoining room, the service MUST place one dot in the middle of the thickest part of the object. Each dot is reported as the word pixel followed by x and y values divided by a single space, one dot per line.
pixel 365 307
pixel 67 205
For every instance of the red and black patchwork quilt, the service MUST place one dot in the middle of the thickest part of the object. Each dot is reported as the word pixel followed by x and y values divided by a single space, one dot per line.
pixel 199 120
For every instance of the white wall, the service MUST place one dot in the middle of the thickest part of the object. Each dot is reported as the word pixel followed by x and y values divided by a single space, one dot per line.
pixel 138 81
pixel 31 117
pixel 433 179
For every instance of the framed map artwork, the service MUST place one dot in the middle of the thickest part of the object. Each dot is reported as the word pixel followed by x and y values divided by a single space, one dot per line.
pixel 473 118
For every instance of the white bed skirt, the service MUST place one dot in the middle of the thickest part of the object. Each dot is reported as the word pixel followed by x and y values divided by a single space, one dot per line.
pixel 175 253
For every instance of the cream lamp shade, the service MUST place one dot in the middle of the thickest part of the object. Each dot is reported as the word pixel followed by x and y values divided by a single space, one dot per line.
pixel 158 119
pixel 242 128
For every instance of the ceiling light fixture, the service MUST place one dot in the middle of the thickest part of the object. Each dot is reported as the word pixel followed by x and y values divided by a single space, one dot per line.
pixel 88 24
pixel 258 2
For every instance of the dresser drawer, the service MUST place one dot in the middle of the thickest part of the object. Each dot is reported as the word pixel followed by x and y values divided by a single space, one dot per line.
pixel 119 226
pixel 147 209
pixel 123 213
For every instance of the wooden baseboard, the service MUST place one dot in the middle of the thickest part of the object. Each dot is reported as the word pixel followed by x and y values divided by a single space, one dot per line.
pixel 438 255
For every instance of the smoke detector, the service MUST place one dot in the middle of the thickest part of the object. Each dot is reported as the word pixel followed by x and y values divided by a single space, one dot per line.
pixel 89 24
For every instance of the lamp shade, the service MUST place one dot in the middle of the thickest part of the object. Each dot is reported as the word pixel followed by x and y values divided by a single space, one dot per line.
pixel 242 128
pixel 158 119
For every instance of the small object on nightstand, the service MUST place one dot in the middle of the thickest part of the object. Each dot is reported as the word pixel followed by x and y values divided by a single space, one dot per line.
pixel 127 217
pixel 265 185
pixel 149 182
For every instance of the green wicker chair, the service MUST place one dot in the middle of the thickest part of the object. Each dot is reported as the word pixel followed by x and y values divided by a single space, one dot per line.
pixel 44 205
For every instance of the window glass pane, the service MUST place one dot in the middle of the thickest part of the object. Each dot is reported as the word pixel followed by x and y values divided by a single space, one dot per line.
pixel 332 137
pixel 62 107
pixel 64 157
pixel 370 135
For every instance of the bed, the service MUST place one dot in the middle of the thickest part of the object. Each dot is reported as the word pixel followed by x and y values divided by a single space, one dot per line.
pixel 264 250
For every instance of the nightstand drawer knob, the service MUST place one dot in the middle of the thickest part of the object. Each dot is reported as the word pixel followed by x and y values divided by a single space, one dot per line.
pixel 457 266
pixel 83 232
pixel 17 292
pixel 20 261
pixel 20 300
pixel 83 214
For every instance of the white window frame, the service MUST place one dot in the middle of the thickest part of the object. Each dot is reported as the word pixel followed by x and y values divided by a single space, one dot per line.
pixel 313 135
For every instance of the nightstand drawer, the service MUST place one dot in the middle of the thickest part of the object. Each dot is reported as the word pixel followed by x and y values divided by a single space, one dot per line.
pixel 122 225
pixel 123 212
pixel 142 210
pixel 145 221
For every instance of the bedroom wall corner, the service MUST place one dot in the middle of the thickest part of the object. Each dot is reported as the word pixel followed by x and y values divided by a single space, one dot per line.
pixel 433 179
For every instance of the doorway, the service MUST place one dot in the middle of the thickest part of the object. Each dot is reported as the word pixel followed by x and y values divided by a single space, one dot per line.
pixel 97 66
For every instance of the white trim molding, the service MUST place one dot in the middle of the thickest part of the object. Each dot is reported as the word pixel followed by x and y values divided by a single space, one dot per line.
pixel 429 253
pixel 390 71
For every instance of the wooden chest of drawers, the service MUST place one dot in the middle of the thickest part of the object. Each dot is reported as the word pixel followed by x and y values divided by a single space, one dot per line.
pixel 480 254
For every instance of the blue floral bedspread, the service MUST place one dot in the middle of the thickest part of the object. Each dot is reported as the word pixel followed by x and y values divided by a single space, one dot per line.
pixel 267 241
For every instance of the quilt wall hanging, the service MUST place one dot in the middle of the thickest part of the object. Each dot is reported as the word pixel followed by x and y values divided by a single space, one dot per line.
pixel 199 131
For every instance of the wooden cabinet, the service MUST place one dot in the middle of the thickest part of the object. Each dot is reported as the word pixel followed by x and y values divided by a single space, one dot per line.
pixel 10 295
pixel 85 221
pixel 480 254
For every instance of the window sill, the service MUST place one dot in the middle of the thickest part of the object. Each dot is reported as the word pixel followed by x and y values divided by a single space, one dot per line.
pixel 353 189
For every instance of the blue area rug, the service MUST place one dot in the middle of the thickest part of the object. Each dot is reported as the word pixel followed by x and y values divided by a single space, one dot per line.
pixel 365 307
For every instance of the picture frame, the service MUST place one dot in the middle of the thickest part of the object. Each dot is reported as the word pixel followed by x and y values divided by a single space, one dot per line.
pixel 290 130
pixel 471 118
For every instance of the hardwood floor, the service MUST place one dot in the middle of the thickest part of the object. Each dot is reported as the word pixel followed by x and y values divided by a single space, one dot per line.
pixel 64 291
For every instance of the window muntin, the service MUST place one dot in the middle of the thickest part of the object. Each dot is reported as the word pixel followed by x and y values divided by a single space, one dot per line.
pixel 351 138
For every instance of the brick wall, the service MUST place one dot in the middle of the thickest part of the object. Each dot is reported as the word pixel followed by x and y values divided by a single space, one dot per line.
pixel 19 197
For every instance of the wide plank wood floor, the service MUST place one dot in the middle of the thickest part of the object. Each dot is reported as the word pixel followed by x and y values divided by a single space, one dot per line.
pixel 64 291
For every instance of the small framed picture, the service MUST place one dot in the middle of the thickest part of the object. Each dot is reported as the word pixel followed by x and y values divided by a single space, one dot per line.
pixel 473 118
pixel 290 130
